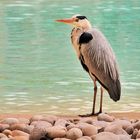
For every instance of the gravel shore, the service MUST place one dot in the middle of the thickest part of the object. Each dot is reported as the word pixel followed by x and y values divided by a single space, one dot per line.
pixel 38 127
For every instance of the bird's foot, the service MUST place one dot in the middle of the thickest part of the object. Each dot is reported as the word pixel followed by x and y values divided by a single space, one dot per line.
pixel 91 114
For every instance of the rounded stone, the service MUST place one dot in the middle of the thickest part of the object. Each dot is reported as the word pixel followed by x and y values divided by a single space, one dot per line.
pixel 4 126
pixel 123 123
pixel 124 137
pixel 43 123
pixel 19 138
pixel 70 126
pixel 135 132
pixel 84 138
pixel 105 117
pixel 60 122
pixel 138 135
pixel 19 133
pixel 2 136
pixel 116 129
pixel 9 121
pixel 56 132
pixel 61 139
pixel 74 133
pixel 87 129
pixel 21 127
pixel 136 125
pixel 7 132
pixel 36 118
pixel 39 131
pixel 106 136
pixel 24 120
pixel 51 119
pixel 129 130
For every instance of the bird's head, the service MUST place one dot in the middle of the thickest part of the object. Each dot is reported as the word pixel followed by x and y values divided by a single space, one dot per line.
pixel 77 21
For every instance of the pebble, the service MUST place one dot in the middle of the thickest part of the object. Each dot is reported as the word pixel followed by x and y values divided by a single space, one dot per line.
pixel 124 137
pixel 61 122
pixel 56 132
pixel 123 123
pixel 39 127
pixel 84 138
pixel 9 121
pixel 105 117
pixel 4 126
pixel 74 133
pixel 106 136
pixel 138 134
pixel 137 125
pixel 116 129
pixel 88 129
pixel 129 129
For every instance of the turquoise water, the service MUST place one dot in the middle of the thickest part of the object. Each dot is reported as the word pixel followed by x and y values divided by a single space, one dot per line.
pixel 39 71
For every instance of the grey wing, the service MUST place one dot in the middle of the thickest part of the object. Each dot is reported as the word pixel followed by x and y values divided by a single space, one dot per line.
pixel 98 57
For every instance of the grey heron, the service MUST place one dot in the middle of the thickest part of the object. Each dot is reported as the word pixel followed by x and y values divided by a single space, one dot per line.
pixel 96 56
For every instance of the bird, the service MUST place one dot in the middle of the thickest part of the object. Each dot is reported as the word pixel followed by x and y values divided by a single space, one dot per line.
pixel 96 57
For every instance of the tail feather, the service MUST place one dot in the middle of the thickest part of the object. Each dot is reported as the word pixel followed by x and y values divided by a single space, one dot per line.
pixel 115 90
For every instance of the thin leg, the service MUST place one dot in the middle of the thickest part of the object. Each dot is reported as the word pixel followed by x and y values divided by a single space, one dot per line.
pixel 94 101
pixel 101 100
pixel 94 98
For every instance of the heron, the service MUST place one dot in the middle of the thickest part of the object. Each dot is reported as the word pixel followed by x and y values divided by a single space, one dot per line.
pixel 96 57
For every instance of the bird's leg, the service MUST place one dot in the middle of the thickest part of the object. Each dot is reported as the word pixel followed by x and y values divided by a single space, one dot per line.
pixel 101 101
pixel 94 101
pixel 94 98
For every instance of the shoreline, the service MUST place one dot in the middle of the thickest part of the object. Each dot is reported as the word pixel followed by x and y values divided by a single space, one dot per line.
pixel 120 115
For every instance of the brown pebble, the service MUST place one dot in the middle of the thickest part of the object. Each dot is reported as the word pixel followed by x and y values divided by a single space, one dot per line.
pixel 36 118
pixel 116 129
pixel 136 125
pixel 7 132
pixel 51 119
pixel 129 129
pixel 56 132
pixel 44 123
pixel 9 121
pixel 39 131
pixel 100 124
pixel 124 137
pixel 74 133
pixel 138 135
pixel 123 123
pixel 24 120
pixel 19 138
pixel 60 122
pixel 86 120
pixel 61 139
pixel 135 132
pixel 105 117
pixel 84 138
pixel 2 136
pixel 71 125
pixel 19 133
pixel 4 126
pixel 87 129
pixel 106 136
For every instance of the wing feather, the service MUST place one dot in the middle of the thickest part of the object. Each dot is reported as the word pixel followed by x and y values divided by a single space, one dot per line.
pixel 100 60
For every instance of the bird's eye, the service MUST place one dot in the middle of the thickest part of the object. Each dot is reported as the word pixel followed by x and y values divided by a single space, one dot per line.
pixel 76 19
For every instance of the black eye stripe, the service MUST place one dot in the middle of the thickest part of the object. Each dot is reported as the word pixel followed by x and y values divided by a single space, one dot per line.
pixel 81 17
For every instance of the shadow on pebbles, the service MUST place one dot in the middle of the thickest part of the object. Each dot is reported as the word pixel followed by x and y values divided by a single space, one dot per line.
pixel 40 127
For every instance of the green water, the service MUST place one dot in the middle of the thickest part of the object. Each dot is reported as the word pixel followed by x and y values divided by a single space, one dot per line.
pixel 39 71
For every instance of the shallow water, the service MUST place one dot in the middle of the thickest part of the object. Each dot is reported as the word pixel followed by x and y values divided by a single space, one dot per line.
pixel 39 71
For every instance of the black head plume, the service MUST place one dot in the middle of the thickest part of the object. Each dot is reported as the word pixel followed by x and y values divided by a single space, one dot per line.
pixel 81 17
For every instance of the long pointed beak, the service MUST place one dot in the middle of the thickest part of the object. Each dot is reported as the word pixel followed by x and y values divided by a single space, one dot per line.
pixel 67 21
